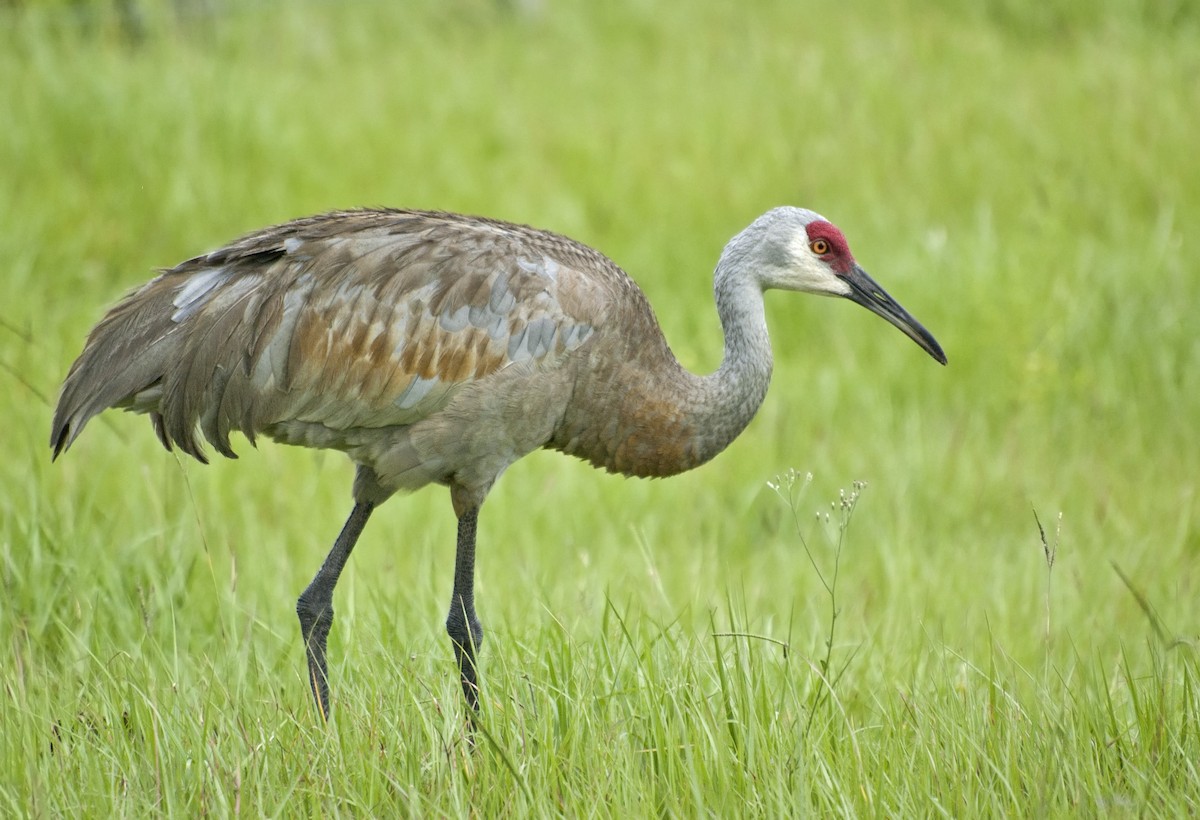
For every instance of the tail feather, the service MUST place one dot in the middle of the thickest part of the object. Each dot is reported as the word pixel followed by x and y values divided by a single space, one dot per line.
pixel 141 357
pixel 126 353
pixel 180 348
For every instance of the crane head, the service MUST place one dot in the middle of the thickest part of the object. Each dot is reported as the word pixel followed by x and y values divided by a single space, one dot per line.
pixel 808 253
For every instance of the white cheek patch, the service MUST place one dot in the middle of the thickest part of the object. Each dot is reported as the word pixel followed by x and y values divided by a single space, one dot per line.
pixel 807 272
pixel 798 246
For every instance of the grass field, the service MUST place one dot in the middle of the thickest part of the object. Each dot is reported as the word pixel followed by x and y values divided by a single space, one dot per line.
pixel 1024 177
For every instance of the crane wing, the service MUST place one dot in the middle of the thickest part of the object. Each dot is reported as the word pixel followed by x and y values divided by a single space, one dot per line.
pixel 348 320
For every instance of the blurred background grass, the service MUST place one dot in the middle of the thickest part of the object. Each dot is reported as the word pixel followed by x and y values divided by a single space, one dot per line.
pixel 1022 176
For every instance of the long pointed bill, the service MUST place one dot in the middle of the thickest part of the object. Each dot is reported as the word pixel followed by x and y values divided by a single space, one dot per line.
pixel 866 291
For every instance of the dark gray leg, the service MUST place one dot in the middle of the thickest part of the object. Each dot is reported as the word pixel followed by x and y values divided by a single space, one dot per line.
pixel 315 607
pixel 464 628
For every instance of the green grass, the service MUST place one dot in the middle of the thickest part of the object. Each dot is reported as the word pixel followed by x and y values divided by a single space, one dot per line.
pixel 1022 176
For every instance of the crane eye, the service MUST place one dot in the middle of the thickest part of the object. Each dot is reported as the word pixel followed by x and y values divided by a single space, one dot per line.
pixel 819 246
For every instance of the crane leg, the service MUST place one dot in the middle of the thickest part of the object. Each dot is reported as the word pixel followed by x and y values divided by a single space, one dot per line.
pixel 466 633
pixel 315 607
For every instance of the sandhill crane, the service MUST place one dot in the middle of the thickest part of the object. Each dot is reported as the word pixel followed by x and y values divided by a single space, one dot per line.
pixel 438 348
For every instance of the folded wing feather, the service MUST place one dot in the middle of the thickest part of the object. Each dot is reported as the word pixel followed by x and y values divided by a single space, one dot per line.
pixel 359 319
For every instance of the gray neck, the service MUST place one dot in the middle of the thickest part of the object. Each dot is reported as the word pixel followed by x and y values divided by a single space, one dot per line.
pixel 729 398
